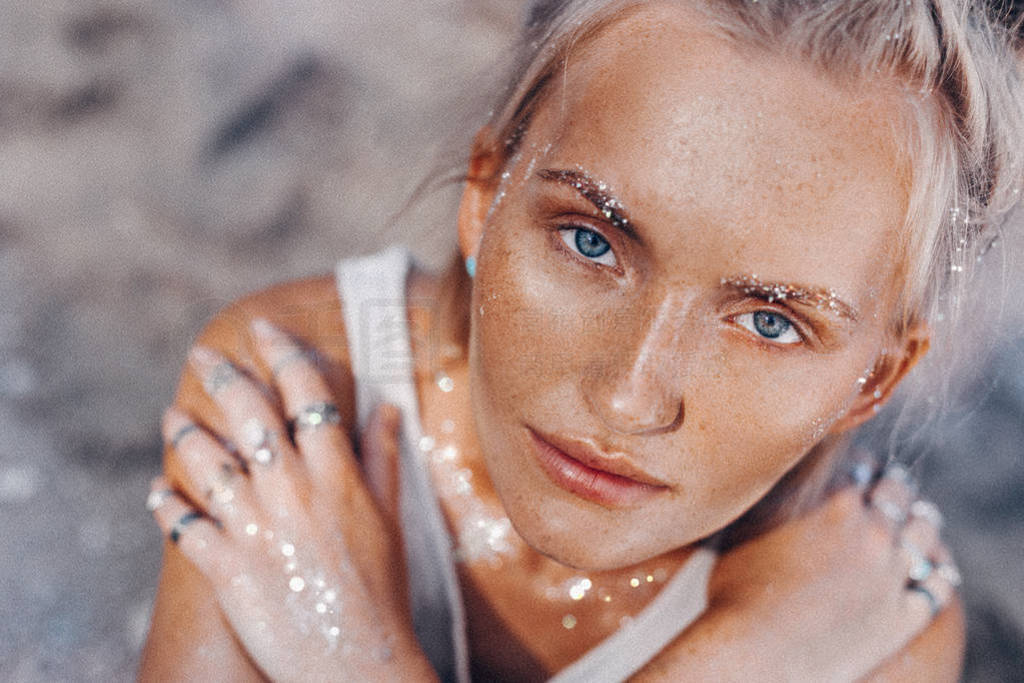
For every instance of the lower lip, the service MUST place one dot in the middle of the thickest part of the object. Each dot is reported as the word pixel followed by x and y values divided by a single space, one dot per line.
pixel 598 486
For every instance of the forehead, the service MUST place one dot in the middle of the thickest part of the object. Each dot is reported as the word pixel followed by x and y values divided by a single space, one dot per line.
pixel 749 147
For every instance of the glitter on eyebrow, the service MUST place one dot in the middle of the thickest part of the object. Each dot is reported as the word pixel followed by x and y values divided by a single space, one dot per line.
pixel 825 300
pixel 596 192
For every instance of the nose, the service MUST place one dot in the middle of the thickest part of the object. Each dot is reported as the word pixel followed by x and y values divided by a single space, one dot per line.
pixel 637 388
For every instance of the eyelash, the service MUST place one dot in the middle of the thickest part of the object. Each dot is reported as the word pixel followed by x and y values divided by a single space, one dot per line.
pixel 570 235
pixel 792 328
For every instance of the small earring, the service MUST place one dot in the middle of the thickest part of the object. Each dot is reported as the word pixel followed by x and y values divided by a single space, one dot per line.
pixel 471 266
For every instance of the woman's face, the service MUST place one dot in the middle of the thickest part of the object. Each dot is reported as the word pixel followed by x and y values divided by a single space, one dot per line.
pixel 684 282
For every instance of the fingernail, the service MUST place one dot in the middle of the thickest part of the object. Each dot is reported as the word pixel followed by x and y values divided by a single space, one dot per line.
pixel 204 357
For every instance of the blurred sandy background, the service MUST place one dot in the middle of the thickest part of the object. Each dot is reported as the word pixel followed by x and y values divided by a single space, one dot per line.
pixel 159 159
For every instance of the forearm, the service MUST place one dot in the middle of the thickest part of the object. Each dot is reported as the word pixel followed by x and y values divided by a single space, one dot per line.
pixel 188 637
pixel 725 645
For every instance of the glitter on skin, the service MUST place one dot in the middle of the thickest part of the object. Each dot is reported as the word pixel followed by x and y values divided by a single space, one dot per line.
pixel 634 582
pixel 569 622
pixel 287 549
pixel 825 300
pixel 297 584
pixel 251 529
pixel 595 192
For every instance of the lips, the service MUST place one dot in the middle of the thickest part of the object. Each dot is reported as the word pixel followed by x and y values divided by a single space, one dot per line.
pixel 581 469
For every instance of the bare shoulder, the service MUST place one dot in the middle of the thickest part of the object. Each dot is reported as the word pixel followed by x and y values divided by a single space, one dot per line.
pixel 936 654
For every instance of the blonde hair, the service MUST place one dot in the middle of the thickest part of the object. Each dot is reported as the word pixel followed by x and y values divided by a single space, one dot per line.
pixel 963 137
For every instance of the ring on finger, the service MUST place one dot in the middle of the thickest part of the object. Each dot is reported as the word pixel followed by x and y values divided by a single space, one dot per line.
pixel 183 432
pixel 260 440
pixel 182 523
pixel 220 376
pixel 921 567
pixel 314 415
pixel 933 602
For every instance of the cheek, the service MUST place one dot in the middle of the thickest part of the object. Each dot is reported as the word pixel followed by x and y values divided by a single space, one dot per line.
pixel 759 417
pixel 531 331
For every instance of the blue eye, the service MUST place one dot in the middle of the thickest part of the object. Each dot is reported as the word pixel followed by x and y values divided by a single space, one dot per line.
pixel 770 325
pixel 589 244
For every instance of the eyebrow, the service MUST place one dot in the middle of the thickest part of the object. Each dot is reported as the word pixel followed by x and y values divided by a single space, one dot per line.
pixel 822 298
pixel 596 192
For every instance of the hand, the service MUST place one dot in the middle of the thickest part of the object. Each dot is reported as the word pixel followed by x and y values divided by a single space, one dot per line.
pixel 305 564
pixel 832 595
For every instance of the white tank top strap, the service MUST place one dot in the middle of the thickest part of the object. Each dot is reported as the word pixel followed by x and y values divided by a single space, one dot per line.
pixel 373 295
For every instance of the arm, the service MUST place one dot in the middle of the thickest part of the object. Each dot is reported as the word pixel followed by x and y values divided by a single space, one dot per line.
pixel 189 638
pixel 821 597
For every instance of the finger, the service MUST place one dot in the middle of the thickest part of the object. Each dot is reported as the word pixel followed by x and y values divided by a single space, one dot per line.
pixel 922 535
pixel 380 454
pixel 892 496
pixel 206 472
pixel 186 527
pixel 256 426
pixel 926 599
pixel 308 403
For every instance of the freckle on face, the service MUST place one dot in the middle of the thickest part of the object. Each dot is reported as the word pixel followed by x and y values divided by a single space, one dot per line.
pixel 719 158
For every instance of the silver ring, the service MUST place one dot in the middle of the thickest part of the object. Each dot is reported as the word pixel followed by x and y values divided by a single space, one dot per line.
pixel 157 499
pixel 260 440
pixel 316 414
pixel 183 432
pixel 933 602
pixel 183 522
pixel 922 567
pixel 291 357
pixel 220 376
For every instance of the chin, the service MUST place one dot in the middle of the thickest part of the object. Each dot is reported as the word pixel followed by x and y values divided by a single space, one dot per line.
pixel 586 539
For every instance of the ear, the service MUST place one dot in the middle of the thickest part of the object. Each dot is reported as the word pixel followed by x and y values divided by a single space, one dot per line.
pixel 482 179
pixel 890 369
